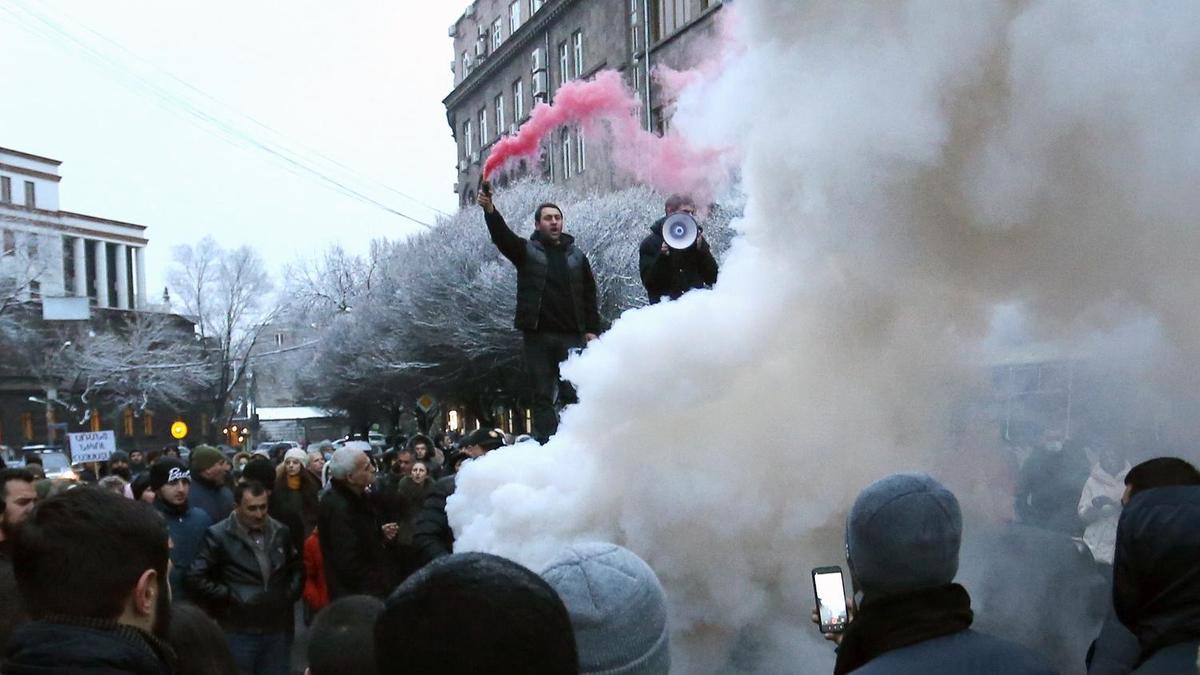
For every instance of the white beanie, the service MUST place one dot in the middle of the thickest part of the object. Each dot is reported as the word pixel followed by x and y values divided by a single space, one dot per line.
pixel 618 609
pixel 296 454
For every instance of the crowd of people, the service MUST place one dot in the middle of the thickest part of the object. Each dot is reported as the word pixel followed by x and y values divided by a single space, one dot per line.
pixel 203 569
pixel 156 563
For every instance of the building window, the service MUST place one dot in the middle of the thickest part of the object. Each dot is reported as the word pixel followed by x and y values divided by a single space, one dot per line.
pixel 469 135
pixel 95 420
pixel 35 289
pixel 127 422
pixel 10 242
pixel 5 189
pixel 466 64
pixel 30 194
pixel 483 127
pixel 27 426
pixel 564 63
pixel 518 96
pixel 577 52
pixel 580 152
pixel 147 423
pixel 31 246
pixel 514 17
pixel 500 125
pixel 566 153
pixel 497 34
pixel 535 5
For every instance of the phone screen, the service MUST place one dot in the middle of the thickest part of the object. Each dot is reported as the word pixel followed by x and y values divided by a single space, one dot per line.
pixel 831 599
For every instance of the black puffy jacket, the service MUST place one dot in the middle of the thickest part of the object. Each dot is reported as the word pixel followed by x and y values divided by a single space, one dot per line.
pixel 672 275
pixel 1156 575
pixel 228 577
pixel 532 260
pixel 83 646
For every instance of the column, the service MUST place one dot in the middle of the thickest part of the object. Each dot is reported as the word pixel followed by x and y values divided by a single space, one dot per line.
pixel 101 256
pixel 122 276
pixel 79 252
pixel 139 261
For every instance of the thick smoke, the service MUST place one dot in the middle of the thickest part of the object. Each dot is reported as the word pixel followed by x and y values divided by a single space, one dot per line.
pixel 909 166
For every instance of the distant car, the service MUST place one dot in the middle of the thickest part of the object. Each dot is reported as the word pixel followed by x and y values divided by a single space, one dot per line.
pixel 55 462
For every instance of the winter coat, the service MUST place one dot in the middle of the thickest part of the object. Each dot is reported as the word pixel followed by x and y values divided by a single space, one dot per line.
pixel 187 528
pixel 963 652
pixel 534 267
pixel 1048 490
pixel 671 275
pixel 215 500
pixel 1156 577
pixel 1100 525
pixel 247 589
pixel 296 508
pixel 85 647
pixel 316 588
pixel 351 543
pixel 432 535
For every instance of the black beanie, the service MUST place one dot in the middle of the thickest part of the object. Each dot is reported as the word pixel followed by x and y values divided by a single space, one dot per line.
pixel 260 469
pixel 168 470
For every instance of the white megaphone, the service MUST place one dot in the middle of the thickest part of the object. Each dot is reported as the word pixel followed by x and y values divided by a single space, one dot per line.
pixel 680 230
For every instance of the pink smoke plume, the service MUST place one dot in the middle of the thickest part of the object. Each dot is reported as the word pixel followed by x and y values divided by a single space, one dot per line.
pixel 668 163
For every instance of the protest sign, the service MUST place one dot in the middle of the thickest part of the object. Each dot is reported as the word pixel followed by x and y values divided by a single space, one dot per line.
pixel 92 446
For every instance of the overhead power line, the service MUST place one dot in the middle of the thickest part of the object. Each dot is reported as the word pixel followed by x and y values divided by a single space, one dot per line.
pixel 194 112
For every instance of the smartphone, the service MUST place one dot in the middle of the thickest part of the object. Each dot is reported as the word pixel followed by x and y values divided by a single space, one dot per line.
pixel 830 589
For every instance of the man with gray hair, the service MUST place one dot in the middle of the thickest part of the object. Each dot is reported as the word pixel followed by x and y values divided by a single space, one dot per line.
pixel 348 525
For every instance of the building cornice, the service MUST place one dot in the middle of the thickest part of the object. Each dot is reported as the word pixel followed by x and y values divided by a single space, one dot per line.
pixel 26 155
pixel 29 172
pixel 515 44
pixel 52 220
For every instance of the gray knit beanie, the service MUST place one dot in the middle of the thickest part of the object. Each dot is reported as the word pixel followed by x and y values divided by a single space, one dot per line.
pixel 903 534
pixel 618 609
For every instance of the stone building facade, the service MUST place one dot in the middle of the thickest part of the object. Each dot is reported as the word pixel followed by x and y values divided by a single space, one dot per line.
pixel 509 55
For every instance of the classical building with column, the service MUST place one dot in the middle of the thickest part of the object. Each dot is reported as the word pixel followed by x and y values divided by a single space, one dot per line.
pixel 48 252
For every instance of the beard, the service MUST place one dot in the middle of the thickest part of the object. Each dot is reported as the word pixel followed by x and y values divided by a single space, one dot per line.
pixel 162 609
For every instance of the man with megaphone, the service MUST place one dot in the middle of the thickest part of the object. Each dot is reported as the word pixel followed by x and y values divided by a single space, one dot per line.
pixel 675 257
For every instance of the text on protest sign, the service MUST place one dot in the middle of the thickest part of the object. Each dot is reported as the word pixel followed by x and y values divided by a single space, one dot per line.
pixel 92 446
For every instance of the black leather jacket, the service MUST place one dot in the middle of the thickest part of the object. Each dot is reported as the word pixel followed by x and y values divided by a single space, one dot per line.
pixel 227 576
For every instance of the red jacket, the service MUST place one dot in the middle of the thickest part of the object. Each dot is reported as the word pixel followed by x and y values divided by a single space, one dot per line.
pixel 316 591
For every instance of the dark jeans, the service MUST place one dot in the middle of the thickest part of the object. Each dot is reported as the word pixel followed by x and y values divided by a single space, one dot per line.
pixel 266 654
pixel 543 353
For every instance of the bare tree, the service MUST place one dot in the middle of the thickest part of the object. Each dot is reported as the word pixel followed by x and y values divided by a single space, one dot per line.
pixel 150 361
pixel 228 293
pixel 437 315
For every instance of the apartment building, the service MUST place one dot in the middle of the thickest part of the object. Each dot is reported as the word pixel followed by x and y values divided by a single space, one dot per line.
pixel 510 55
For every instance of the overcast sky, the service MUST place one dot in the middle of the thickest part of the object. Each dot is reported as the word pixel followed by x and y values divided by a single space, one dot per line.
pixel 359 81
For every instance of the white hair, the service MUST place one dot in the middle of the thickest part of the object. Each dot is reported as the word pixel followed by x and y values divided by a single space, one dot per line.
pixel 343 462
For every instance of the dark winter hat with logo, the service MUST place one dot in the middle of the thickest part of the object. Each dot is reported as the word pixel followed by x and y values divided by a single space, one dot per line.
pixel 903 534
pixel 168 470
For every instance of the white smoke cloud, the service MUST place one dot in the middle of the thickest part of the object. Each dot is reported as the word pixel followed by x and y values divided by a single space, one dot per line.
pixel 909 166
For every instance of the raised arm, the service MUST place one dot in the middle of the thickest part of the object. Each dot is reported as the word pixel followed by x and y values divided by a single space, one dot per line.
pixel 511 245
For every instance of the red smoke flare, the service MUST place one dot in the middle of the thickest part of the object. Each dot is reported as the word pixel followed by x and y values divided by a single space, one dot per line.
pixel 666 163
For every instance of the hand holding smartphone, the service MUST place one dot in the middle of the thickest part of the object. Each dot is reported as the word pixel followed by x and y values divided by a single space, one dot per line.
pixel 829 588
